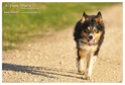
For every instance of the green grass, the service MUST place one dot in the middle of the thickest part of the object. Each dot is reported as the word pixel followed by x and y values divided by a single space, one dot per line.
pixel 9 47
pixel 20 27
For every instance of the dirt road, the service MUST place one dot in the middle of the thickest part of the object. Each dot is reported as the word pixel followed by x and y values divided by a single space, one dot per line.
pixel 53 58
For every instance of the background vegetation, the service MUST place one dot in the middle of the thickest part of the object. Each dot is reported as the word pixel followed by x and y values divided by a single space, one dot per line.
pixel 24 21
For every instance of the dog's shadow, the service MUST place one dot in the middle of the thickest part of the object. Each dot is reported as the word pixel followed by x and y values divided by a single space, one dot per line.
pixel 41 71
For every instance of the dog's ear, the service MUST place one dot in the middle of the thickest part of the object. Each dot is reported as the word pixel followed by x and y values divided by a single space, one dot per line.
pixel 85 17
pixel 99 15
pixel 98 18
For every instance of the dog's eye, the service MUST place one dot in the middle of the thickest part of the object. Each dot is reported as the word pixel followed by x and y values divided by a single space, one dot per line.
pixel 97 31
pixel 85 30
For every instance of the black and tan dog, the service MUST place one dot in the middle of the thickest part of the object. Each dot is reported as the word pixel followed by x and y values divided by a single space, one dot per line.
pixel 88 34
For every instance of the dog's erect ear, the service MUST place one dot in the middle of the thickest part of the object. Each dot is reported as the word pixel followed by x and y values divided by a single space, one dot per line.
pixel 99 15
pixel 98 18
pixel 85 17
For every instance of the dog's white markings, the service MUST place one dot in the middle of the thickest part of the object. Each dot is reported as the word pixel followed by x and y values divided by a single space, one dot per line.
pixel 91 63
pixel 81 65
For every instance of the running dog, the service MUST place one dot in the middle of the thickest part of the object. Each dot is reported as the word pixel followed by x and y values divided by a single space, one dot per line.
pixel 88 35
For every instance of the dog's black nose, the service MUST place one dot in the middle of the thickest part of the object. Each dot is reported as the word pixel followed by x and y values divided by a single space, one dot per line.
pixel 90 37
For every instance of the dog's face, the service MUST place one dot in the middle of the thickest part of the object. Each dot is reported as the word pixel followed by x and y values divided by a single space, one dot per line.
pixel 92 28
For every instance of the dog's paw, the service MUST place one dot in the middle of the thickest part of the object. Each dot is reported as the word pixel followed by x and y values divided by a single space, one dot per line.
pixel 85 77
pixel 88 77
pixel 81 72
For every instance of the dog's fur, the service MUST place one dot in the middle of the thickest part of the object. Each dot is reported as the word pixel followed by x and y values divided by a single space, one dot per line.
pixel 88 34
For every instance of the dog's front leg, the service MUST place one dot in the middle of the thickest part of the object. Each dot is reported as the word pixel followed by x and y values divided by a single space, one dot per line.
pixel 82 63
pixel 90 66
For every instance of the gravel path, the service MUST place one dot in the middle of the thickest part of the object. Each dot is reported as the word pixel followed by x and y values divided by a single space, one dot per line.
pixel 53 58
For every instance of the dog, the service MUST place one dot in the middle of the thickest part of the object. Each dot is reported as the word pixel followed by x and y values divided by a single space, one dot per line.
pixel 88 35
